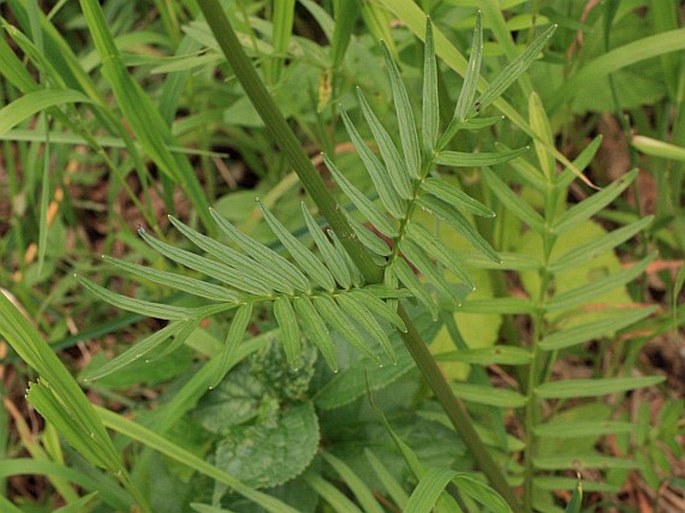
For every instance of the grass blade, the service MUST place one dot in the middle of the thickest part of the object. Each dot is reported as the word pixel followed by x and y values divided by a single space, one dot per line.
pixel 356 485
pixel 36 101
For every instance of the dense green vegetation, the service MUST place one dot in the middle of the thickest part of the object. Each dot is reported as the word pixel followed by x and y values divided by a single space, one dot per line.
pixel 459 288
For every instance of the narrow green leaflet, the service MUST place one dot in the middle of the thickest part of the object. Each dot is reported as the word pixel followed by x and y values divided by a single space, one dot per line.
pixel 290 331
pixel 356 310
pixel 582 462
pixel 594 329
pixel 583 428
pixel 400 268
pixel 593 387
pixel 228 275
pixel 252 269
pixel 379 176
pixel 491 396
pixel 340 322
pixel 300 253
pixel 139 306
pixel 355 273
pixel 337 500
pixel 457 221
pixel 31 103
pixel 515 68
pixel 539 122
pixel 393 161
pixel 422 262
pixel 513 202
pixel 370 240
pixel 479 490
pixel 469 89
pixel 590 250
pixel 358 487
pixel 430 124
pixel 315 329
pixel 235 336
pixel 262 254
pixel 431 485
pixel 498 305
pixel 586 293
pixel 501 355
pixel 379 308
pixel 433 246
pixel 405 116
pixel 455 197
pixel 393 488
pixel 657 148
pixel 363 204
pixel 467 159
pixel 589 207
pixel 191 285
pixel 331 257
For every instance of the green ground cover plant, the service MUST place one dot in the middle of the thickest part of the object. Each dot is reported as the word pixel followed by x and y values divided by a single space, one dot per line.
pixel 361 256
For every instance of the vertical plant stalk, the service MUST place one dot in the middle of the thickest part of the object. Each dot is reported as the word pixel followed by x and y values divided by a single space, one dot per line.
pixel 329 208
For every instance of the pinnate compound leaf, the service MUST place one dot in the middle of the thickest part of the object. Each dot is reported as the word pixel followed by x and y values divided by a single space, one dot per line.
pixel 262 254
pixel 315 329
pixel 405 116
pixel 593 387
pixel 235 335
pixel 304 258
pixel 363 204
pixel 265 456
pixel 393 161
pixel 430 124
pixel 379 176
pixel 455 197
pixel 191 285
pixel 333 260
pixel 290 331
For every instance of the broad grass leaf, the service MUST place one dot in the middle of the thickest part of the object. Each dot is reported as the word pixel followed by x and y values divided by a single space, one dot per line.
pixel 186 284
pixel 455 197
pixel 301 254
pixel 357 486
pixel 593 387
pixel 379 176
pixel 36 101
pixel 405 116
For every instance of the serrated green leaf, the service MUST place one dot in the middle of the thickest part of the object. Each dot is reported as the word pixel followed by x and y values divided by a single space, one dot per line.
pixel 333 315
pixel 315 330
pixel 236 333
pixel 590 206
pixel 405 117
pixel 300 253
pixel 363 204
pixel 262 254
pixel 581 295
pixel 379 176
pixel 514 69
pixel 433 246
pixel 380 308
pixel 356 485
pixel 581 462
pixel 501 355
pixel 491 396
pixel 331 257
pixel 467 95
pixel 455 197
pixel 422 262
pixel 177 281
pixel 370 240
pixel 457 221
pixel 393 162
pixel 139 306
pixel 593 329
pixel 467 159
pixel 593 387
pixel 513 202
pixel 290 331
pixel 252 269
pixel 430 123
pixel 593 248
pixel 406 276
pixel 221 272
pixel 583 428
pixel 363 317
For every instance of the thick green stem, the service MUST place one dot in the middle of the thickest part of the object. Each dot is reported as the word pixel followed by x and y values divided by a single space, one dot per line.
pixel 329 208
